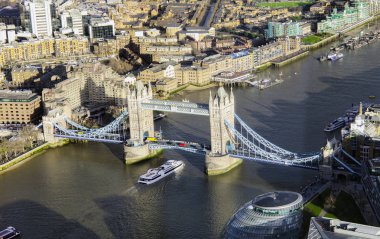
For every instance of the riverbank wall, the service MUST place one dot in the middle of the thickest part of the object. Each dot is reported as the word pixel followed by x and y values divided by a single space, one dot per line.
pixel 291 59
pixel 31 154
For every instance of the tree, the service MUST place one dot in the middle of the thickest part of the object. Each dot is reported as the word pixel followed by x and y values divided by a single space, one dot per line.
pixel 29 134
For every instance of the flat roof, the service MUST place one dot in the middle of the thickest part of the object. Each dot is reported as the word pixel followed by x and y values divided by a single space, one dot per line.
pixel 17 96
pixel 336 229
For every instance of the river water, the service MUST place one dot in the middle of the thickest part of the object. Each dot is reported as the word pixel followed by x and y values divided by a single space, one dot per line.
pixel 85 190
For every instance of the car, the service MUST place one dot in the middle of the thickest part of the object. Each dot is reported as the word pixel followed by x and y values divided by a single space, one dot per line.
pixel 182 145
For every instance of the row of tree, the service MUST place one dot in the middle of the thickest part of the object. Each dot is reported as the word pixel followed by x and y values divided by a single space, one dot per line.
pixel 26 139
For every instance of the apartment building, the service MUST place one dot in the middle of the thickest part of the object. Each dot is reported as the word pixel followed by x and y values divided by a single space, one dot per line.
pixel 89 84
pixel 71 46
pixel 350 15
pixel 160 71
pixel 23 76
pixel 43 48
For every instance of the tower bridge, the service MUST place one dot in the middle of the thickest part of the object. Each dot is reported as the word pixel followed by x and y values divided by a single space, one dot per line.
pixel 231 138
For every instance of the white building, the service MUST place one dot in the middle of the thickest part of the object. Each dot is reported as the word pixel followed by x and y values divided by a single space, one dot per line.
pixel 3 33
pixel 72 19
pixel 11 33
pixel 40 17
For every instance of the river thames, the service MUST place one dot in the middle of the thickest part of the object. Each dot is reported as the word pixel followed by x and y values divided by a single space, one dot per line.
pixel 85 190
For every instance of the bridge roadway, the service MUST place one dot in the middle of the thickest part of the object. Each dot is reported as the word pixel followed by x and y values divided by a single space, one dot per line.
pixel 176 106
pixel 180 145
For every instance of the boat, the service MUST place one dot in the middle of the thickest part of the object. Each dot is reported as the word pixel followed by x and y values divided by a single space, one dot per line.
pixel 334 56
pixel 155 174
pixel 371 97
pixel 336 124
pixel 266 83
pixel 322 58
pixel 159 116
pixel 9 232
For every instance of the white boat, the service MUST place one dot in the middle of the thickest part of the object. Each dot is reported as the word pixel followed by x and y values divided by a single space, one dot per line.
pixel 266 83
pixel 335 56
pixel 155 174
pixel 9 232
pixel 336 124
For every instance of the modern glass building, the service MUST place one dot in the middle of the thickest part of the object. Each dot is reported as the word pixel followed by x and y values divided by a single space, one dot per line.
pixel 271 215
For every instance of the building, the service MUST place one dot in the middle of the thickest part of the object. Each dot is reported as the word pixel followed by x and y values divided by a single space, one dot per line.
pixel 71 46
pixel 287 29
pixel 40 18
pixel 160 71
pixel 26 51
pixel 109 47
pixel 24 76
pixel 280 48
pixel 371 183
pixel 11 33
pixel 196 33
pixel 195 75
pixel 101 28
pixel 90 84
pixel 10 15
pixel 328 228
pixel 166 85
pixel 69 95
pixel 43 48
pixel 19 107
pixel 72 19
pixel 339 21
pixel 271 215
pixel 374 6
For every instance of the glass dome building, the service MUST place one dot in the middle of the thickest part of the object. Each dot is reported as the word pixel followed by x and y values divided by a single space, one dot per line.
pixel 271 215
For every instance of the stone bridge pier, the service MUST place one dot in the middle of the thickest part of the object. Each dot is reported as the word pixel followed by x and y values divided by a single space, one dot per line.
pixel 221 107
pixel 141 125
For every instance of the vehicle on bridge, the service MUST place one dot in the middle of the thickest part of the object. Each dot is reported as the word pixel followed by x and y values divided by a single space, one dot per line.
pixel 151 139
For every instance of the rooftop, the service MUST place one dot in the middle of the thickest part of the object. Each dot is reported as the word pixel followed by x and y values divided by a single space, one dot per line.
pixel 335 229
pixel 9 95
pixel 277 199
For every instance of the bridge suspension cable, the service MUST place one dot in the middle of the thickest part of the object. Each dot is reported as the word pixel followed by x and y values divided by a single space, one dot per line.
pixel 254 146
pixel 114 132
pixel 261 140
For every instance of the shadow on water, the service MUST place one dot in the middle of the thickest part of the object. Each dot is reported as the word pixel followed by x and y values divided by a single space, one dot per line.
pixel 151 207
pixel 41 222
pixel 117 150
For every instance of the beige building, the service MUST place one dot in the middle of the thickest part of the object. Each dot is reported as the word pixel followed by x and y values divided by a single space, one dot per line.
pixel 166 85
pixel 43 48
pixel 68 94
pixel 71 46
pixel 157 72
pixel 24 76
pixel 110 47
pixel 19 107
pixel 195 75
pixel 89 84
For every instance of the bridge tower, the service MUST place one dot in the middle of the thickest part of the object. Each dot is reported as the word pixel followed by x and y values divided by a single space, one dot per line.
pixel 221 108
pixel 140 121
pixel 140 124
